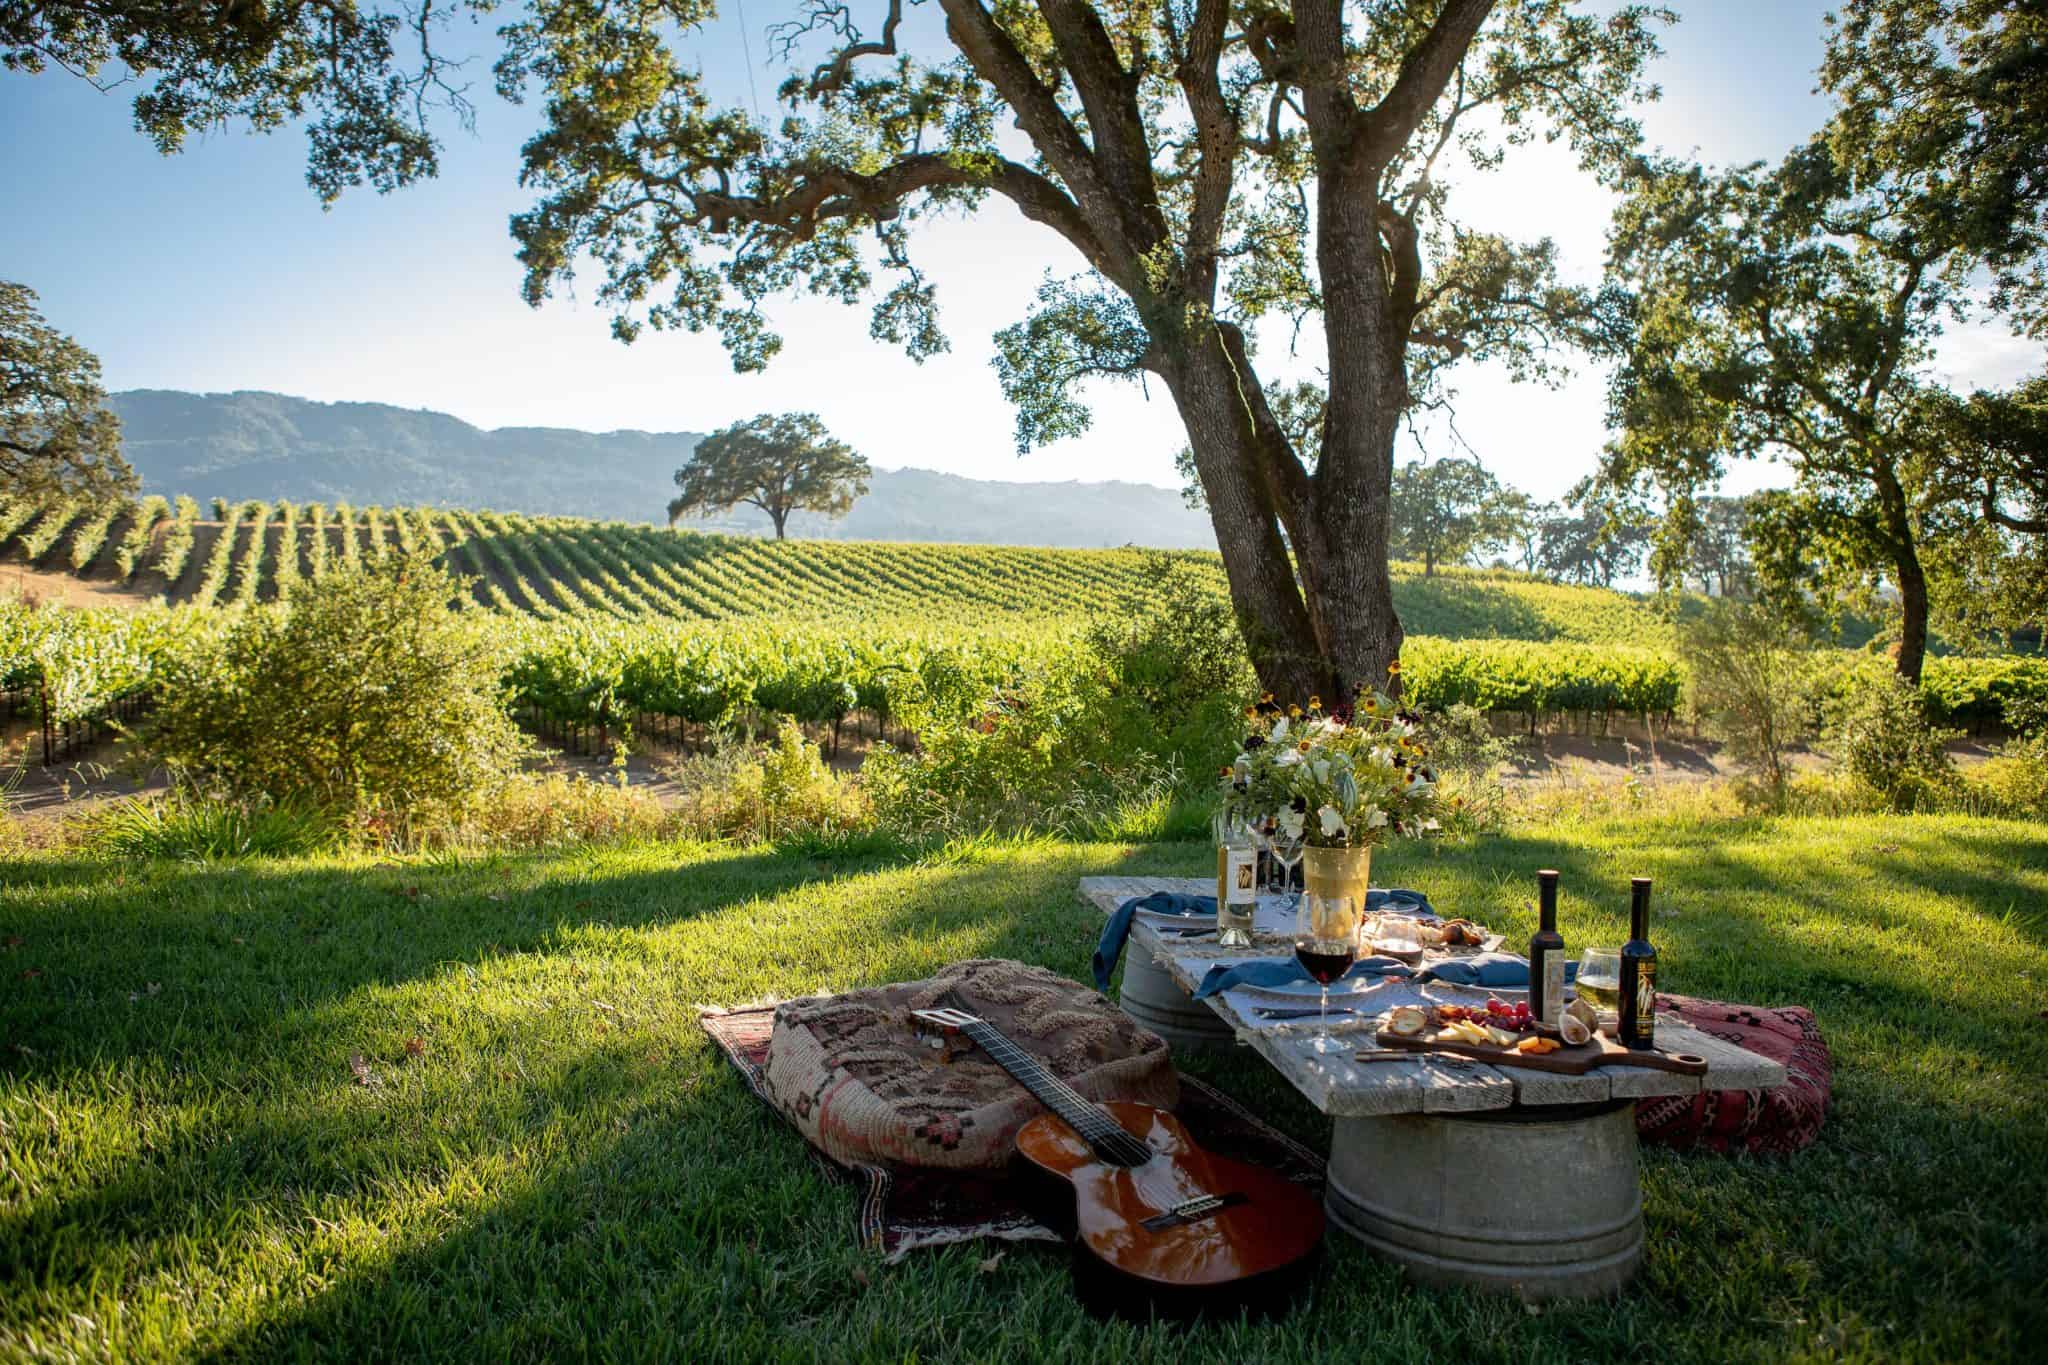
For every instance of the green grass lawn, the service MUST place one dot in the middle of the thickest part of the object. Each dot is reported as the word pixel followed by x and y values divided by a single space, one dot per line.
pixel 552 1162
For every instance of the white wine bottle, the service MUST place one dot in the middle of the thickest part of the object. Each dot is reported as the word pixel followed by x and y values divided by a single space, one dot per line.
pixel 1237 886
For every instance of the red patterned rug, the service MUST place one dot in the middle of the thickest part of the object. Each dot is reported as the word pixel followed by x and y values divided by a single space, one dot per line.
pixel 903 1208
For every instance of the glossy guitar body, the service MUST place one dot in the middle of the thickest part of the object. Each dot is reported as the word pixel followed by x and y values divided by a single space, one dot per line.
pixel 1135 1254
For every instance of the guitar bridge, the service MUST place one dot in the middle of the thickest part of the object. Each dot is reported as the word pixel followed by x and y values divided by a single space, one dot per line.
pixel 1193 1210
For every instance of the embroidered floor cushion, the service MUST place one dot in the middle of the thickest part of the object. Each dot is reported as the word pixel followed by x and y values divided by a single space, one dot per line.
pixel 851 1072
pixel 1785 1119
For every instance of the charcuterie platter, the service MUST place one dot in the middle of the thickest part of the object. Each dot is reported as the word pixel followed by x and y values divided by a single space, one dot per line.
pixel 1505 1040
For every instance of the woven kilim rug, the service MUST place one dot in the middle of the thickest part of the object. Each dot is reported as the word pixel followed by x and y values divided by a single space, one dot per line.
pixel 903 1208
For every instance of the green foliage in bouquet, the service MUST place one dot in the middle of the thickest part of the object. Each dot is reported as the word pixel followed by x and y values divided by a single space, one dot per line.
pixel 1334 779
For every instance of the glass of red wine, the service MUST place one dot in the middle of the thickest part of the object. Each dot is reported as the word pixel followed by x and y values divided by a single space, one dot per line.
pixel 1326 944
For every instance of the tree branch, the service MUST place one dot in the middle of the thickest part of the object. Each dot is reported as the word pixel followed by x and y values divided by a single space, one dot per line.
pixel 1424 73
pixel 996 59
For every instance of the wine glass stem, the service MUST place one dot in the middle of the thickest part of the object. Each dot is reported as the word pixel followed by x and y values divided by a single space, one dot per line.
pixel 1323 1020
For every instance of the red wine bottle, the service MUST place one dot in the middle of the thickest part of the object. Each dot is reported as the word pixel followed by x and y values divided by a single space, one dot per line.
pixel 1546 954
pixel 1638 1023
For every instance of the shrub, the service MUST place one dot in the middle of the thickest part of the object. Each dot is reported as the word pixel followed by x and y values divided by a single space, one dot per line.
pixel 366 695
pixel 762 792
pixel 1886 744
pixel 1750 683
pixel 1175 667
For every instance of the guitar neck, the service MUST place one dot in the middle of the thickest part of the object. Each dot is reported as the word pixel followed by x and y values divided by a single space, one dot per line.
pixel 1088 1119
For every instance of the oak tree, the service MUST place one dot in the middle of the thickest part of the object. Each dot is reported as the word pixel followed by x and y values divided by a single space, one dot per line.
pixel 1211 163
pixel 1790 311
pixel 56 431
pixel 780 464
pixel 1445 511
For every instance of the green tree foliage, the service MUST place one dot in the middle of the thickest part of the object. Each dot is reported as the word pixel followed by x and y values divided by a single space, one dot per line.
pixel 56 432
pixel 366 695
pixel 364 78
pixel 1988 550
pixel 780 464
pixel 1446 511
pixel 1210 162
pixel 1946 100
pixel 1791 310
pixel 1712 533
pixel 1595 538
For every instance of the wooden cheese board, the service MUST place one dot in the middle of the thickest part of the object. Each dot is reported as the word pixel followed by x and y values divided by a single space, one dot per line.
pixel 1570 1059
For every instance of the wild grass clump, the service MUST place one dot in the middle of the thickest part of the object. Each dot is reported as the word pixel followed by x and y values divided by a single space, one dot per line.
pixel 189 826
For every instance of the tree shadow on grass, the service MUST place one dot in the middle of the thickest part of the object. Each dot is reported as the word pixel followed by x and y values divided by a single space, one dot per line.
pixel 248 1082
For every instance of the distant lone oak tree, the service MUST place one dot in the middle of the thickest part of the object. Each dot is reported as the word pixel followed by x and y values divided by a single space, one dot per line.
pixel 1210 162
pixel 56 432
pixel 1446 510
pixel 779 464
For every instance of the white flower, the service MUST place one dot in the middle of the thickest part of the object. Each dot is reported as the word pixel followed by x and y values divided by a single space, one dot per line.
pixel 1291 823
pixel 1418 784
pixel 1333 823
pixel 1320 770
pixel 1279 735
pixel 1374 817
pixel 1383 756
pixel 1288 758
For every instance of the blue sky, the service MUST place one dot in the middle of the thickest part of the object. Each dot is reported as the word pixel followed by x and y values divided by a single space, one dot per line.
pixel 217 269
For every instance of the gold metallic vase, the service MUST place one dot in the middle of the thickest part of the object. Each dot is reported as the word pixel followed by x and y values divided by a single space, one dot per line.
pixel 1337 872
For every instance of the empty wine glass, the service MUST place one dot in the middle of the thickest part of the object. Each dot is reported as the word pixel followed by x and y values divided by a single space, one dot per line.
pixel 1286 850
pixel 1326 944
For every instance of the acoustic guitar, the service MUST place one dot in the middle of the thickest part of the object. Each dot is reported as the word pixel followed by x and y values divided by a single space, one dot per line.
pixel 1160 1225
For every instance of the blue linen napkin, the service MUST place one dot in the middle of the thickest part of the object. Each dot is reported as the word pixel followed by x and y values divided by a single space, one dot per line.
pixel 1109 949
pixel 1285 971
pixel 1493 971
pixel 1397 900
pixel 1111 945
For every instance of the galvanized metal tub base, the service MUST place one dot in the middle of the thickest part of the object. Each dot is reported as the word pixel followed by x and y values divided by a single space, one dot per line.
pixel 1542 1203
pixel 1156 1001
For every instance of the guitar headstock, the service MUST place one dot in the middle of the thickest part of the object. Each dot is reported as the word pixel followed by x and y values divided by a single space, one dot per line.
pixel 945 1024
pixel 946 1020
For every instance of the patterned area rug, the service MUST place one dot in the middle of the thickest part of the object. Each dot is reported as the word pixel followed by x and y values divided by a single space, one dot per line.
pixel 903 1208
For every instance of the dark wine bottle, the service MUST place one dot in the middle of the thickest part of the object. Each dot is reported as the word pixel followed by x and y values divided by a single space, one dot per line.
pixel 1546 954
pixel 1638 1024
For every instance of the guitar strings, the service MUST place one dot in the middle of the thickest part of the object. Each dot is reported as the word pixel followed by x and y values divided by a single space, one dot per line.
pixel 1096 1128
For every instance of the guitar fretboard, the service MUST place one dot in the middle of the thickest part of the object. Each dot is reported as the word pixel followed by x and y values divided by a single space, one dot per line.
pixel 1096 1128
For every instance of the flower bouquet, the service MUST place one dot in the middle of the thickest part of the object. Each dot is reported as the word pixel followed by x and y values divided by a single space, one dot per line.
pixel 1335 780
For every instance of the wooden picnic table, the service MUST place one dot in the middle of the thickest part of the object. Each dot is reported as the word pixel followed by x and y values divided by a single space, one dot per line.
pixel 1462 1172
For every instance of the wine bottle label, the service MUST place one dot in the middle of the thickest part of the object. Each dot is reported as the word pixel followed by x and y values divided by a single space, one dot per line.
pixel 1240 882
pixel 1553 988
pixel 1646 997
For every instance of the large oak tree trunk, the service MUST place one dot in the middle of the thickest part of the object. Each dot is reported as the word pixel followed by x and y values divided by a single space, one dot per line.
pixel 1319 620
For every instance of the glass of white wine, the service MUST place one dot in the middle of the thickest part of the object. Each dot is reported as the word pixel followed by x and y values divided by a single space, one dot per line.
pixel 1599 981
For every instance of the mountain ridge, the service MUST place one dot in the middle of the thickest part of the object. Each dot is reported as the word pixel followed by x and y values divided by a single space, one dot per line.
pixel 255 444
